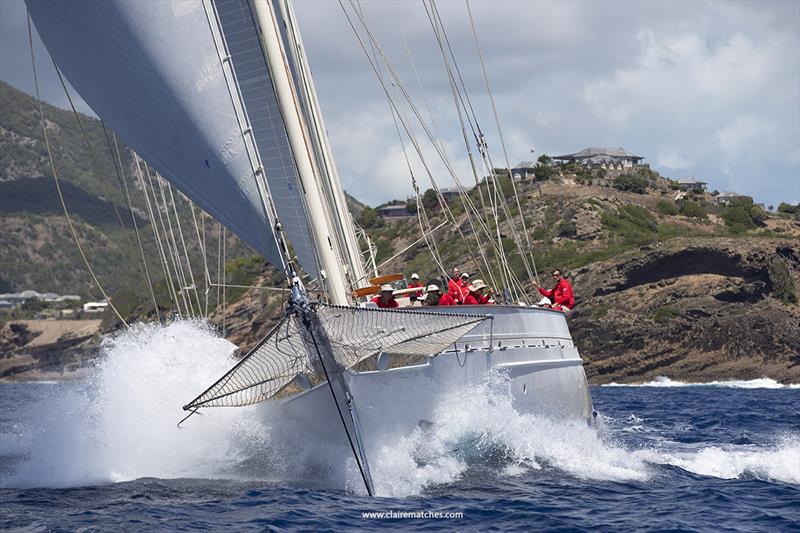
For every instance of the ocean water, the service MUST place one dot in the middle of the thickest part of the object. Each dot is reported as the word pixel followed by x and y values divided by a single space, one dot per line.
pixel 104 454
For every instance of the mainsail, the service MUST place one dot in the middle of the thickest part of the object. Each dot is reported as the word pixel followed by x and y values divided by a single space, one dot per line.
pixel 159 74
pixel 354 334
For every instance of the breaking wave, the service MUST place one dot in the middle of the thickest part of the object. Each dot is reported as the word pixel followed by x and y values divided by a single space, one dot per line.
pixel 120 425
pixel 480 425
pixel 663 381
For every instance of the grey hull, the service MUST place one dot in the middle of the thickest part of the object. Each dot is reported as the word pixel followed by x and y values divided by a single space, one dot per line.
pixel 532 347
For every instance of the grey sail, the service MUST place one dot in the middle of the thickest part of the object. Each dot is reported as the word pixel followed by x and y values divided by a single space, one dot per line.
pixel 154 71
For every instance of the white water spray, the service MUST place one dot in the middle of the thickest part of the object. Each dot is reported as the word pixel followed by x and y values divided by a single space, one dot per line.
pixel 121 425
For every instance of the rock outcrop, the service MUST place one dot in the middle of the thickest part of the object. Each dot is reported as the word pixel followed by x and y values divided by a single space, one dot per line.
pixel 691 309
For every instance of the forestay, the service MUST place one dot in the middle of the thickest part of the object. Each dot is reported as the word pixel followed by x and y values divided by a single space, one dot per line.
pixel 153 71
pixel 354 333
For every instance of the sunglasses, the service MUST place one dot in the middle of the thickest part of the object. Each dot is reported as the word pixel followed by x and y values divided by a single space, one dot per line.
pixel 556 274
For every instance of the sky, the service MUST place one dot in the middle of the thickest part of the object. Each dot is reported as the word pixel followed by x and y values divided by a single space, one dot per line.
pixel 709 90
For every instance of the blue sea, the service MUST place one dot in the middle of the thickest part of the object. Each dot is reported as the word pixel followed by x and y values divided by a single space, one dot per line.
pixel 104 454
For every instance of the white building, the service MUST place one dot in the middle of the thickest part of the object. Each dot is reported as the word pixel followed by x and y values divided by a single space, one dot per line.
pixel 94 307
pixel 609 158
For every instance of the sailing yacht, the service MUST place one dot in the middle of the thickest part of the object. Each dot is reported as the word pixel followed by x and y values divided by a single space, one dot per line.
pixel 217 95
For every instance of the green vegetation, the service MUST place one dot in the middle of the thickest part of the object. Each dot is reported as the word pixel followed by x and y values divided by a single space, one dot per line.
pixel 692 209
pixel 742 215
pixel 631 223
pixel 243 271
pixel 370 218
pixel 631 183
pixel 665 207
pixel 789 210
pixel 782 282
pixel 544 172
pixel 566 228
pixel 665 314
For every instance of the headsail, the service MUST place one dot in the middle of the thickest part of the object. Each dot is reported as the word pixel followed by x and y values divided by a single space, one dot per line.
pixel 354 333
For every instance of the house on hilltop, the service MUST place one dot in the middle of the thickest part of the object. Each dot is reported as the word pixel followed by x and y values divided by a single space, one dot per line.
pixel 393 211
pixel 691 184
pixel 725 197
pixel 610 158
pixel 523 170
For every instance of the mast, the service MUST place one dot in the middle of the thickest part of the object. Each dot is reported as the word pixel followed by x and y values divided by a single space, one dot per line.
pixel 333 277
pixel 337 201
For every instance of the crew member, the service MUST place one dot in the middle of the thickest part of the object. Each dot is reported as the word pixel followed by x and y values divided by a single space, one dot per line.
pixel 417 295
pixel 476 294
pixel 386 298
pixel 435 297
pixel 458 289
pixel 561 294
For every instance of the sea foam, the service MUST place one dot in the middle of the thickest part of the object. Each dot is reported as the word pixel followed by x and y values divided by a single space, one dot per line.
pixel 120 424
pixel 663 381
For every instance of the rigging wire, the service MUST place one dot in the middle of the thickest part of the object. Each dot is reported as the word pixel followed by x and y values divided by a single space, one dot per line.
pixel 456 100
pixel 56 179
pixel 466 200
pixel 172 245
pixel 201 242
pixel 154 226
pixel 422 216
pixel 164 247
pixel 185 250
pixel 136 229
pixel 497 196
pixel 464 197
pixel 502 138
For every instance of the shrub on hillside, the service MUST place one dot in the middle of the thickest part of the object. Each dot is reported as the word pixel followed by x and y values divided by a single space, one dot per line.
pixel 566 228
pixel 430 199
pixel 692 209
pixel 782 283
pixel 757 215
pixel 738 219
pixel 665 207
pixel 630 183
pixel 543 173
pixel 789 209
pixel 370 218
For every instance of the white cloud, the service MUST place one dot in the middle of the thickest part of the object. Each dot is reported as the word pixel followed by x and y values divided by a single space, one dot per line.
pixel 671 159
pixel 707 86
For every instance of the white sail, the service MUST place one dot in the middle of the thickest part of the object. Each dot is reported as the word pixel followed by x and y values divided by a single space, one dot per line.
pixel 154 71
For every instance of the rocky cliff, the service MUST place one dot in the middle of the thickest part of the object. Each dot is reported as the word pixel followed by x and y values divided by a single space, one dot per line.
pixel 696 310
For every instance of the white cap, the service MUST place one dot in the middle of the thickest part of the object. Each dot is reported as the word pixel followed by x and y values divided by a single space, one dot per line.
pixel 465 275
pixel 544 301
pixel 432 287
pixel 387 288
pixel 414 276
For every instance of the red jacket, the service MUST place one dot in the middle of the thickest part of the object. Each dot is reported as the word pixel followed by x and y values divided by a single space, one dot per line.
pixel 391 303
pixel 470 299
pixel 414 285
pixel 561 295
pixel 456 290
pixel 484 299
pixel 446 299
pixel 476 298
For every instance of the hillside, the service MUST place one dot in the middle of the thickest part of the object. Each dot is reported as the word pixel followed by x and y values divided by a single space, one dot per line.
pixel 38 250
pixel 666 282
pixel 688 288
